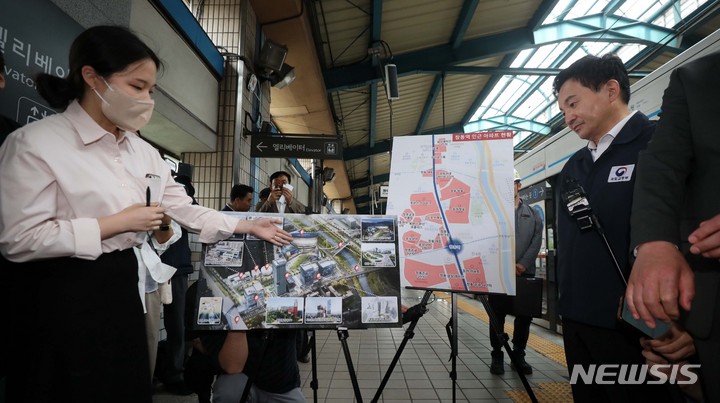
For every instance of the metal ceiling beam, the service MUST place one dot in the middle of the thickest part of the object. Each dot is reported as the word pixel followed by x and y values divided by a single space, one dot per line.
pixel 352 153
pixel 698 18
pixel 362 199
pixel 535 22
pixel 663 9
pixel 373 123
pixel 376 20
pixel 361 74
pixel 691 23
pixel 385 146
pixel 491 83
pixel 612 6
pixel 366 209
pixel 456 128
pixel 538 83
pixel 463 22
pixel 541 13
pixel 509 71
pixel 606 29
pixel 429 103
pixel 526 143
pixel 375 30
pixel 363 182
pixel 461 25
pixel 567 10
pixel 507 122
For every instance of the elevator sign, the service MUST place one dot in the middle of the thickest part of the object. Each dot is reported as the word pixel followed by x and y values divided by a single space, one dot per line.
pixel 274 146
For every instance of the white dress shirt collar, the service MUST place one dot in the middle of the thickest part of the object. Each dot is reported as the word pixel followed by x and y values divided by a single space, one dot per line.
pixel 87 128
pixel 596 150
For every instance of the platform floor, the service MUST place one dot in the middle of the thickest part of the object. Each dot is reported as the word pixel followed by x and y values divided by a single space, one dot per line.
pixel 422 374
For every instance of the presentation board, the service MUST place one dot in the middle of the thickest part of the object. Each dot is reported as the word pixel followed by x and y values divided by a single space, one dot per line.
pixel 453 196
pixel 340 270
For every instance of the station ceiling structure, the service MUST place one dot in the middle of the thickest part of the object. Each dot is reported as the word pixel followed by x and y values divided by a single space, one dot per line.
pixel 466 65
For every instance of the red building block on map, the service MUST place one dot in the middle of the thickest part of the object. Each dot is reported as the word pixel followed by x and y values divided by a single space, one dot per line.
pixel 423 204
pixel 423 275
pixel 459 210
pixel 456 188
pixel 475 274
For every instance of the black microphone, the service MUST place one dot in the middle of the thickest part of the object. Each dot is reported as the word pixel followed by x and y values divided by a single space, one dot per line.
pixel 577 204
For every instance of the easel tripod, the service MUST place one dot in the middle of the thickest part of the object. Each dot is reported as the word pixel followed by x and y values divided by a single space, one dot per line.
pixel 414 316
pixel 502 336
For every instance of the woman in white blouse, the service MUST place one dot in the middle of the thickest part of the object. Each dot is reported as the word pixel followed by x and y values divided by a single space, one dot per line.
pixel 74 189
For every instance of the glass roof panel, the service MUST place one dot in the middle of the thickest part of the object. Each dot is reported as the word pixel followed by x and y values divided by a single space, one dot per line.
pixel 507 97
pixel 561 7
pixel 540 57
pixel 584 7
pixel 490 99
pixel 522 57
pixel 537 101
pixel 627 52
pixel 540 104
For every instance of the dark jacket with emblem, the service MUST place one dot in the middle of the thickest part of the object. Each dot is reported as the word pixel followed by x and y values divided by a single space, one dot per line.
pixel 589 284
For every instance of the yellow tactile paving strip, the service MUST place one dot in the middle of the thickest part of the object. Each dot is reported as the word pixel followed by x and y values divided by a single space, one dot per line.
pixel 537 343
pixel 550 392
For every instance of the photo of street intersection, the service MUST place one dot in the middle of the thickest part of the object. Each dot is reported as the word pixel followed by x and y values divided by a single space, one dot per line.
pixel 324 260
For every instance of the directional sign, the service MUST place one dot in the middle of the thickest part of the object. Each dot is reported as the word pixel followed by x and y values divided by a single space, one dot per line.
pixel 535 193
pixel 274 146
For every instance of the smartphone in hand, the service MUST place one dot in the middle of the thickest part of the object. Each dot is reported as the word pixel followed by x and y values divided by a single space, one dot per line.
pixel 661 328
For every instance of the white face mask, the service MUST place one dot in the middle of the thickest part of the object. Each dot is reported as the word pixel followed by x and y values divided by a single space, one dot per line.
pixel 128 113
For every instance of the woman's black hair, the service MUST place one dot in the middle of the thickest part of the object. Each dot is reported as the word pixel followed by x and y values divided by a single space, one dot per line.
pixel 107 49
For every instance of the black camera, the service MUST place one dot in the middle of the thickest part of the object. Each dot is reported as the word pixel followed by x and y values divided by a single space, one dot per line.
pixel 577 204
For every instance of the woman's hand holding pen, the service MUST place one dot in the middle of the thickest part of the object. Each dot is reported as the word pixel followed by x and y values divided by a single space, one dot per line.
pixel 136 218
pixel 143 218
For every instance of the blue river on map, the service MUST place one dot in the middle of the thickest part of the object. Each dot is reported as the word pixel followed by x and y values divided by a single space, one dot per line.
pixel 485 178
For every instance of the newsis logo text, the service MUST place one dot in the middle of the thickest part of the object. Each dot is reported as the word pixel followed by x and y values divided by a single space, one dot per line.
pixel 635 374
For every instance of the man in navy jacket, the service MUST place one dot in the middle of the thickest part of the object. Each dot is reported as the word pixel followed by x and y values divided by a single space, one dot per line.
pixel 593 95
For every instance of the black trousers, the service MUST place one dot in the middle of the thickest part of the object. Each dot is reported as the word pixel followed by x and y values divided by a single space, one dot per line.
pixel 200 375
pixel 501 305
pixel 587 344
pixel 77 331
pixel 174 318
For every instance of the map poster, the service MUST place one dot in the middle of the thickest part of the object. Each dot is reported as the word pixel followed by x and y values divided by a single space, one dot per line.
pixel 453 196
pixel 340 270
